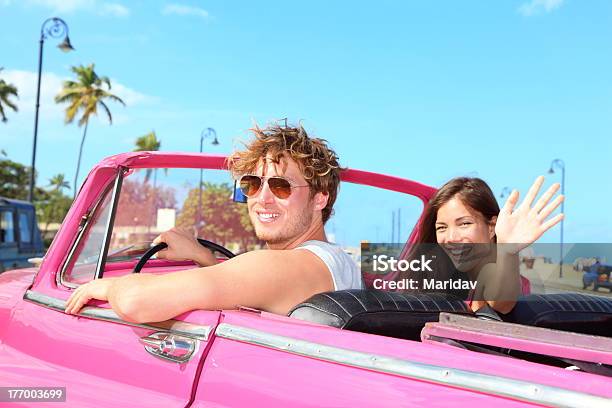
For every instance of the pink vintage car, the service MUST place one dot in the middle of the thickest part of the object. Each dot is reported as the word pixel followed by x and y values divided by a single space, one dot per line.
pixel 347 348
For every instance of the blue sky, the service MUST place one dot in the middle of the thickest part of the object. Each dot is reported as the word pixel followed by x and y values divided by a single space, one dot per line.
pixel 421 90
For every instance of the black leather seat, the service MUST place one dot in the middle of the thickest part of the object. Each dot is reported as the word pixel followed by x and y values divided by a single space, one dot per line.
pixel 378 312
pixel 403 315
pixel 574 312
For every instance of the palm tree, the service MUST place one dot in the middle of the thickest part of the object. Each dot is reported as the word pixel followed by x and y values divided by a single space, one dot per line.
pixel 148 142
pixel 7 90
pixel 59 182
pixel 85 94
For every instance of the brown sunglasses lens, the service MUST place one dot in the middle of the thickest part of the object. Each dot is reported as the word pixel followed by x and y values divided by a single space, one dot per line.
pixel 279 187
pixel 250 185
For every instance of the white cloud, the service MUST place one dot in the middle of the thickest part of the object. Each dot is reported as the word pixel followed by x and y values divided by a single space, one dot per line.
pixel 114 10
pixel 535 7
pixel 63 6
pixel 25 81
pixel 51 85
pixel 71 6
pixel 130 96
pixel 183 10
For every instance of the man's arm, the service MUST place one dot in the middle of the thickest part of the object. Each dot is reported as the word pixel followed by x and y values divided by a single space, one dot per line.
pixel 271 280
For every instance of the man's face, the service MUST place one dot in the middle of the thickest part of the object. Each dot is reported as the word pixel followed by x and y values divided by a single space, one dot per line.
pixel 283 222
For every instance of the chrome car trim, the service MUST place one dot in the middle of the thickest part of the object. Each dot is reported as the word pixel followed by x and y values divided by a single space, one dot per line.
pixel 471 380
pixel 170 347
pixel 200 332
pixel 109 223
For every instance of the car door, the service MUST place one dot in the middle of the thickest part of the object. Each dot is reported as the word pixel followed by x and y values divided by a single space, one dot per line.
pixel 100 359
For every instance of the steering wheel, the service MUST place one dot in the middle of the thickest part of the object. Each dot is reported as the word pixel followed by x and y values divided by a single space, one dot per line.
pixel 162 245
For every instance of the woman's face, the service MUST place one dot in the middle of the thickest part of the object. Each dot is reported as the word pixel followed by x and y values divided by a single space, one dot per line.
pixel 464 234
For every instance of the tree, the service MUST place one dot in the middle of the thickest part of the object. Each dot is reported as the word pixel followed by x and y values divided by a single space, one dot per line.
pixel 58 182
pixel 7 90
pixel 56 205
pixel 148 143
pixel 85 95
pixel 15 179
pixel 139 202
pixel 223 220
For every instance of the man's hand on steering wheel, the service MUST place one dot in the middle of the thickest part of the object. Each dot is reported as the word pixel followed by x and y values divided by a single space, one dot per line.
pixel 183 246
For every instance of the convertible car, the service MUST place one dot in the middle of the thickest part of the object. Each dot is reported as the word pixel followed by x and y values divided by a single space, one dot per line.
pixel 347 348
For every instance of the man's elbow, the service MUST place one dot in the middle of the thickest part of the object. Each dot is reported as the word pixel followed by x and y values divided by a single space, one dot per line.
pixel 130 307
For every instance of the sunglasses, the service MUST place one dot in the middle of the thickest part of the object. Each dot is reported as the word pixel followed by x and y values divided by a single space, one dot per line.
pixel 251 185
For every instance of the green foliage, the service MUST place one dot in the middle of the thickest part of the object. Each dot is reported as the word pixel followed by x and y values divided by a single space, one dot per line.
pixel 7 90
pixel 51 204
pixel 85 94
pixel 148 143
pixel 15 180
pixel 220 219
pixel 53 209
pixel 56 204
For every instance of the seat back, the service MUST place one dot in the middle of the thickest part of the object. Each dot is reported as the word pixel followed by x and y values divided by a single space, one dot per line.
pixel 378 312
pixel 575 312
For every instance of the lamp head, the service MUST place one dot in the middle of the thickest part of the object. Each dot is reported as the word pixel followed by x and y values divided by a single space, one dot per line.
pixel 65 45
pixel 215 141
pixel 551 171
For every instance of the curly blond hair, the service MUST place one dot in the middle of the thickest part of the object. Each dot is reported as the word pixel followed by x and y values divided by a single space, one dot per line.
pixel 318 163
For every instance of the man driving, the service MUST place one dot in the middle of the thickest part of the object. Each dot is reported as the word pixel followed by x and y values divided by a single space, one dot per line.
pixel 291 182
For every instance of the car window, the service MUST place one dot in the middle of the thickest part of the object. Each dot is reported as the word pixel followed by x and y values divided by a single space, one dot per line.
pixel 25 227
pixel 7 227
pixel 154 200
pixel 90 244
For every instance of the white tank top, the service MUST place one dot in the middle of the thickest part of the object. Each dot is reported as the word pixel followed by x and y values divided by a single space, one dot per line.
pixel 344 271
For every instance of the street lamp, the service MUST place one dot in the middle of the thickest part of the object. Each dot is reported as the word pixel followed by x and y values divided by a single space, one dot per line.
pixel 505 192
pixel 55 28
pixel 559 164
pixel 206 133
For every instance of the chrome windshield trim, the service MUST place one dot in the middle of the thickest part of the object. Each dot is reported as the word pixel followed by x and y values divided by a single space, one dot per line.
pixel 59 278
pixel 470 380
pixel 200 332
pixel 109 223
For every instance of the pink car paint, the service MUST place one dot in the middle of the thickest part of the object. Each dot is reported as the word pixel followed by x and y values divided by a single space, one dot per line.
pixel 103 363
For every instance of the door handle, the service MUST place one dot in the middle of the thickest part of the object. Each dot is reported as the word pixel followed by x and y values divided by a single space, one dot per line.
pixel 171 347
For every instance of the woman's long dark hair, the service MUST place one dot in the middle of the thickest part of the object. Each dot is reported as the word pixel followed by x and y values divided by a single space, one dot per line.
pixel 472 191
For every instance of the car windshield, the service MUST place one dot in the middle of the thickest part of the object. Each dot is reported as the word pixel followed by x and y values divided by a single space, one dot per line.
pixel 152 201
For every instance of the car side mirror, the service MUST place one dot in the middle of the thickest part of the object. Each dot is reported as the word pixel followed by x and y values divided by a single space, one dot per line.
pixel 238 196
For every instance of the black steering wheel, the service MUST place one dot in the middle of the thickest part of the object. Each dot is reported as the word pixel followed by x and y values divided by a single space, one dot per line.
pixel 205 243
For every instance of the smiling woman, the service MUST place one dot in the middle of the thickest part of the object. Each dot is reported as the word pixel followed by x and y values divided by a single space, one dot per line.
pixel 482 242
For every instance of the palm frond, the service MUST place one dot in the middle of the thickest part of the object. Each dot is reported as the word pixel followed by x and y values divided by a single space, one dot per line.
pixel 108 113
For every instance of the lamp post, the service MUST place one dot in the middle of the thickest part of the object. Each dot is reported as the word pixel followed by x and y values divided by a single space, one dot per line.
pixel 55 28
pixel 206 133
pixel 559 164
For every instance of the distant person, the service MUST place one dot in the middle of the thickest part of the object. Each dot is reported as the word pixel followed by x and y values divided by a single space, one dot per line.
pixel 482 242
pixel 591 275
